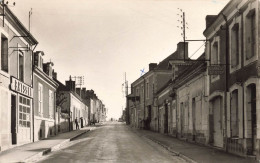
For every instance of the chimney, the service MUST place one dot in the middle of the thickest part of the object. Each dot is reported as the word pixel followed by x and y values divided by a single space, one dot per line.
pixel 47 68
pixel 70 85
pixel 180 50
pixel 78 91
pixel 54 75
pixel 152 66
pixel 210 19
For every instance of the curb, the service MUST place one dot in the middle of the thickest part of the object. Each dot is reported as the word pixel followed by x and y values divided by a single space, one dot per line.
pixel 54 148
pixel 172 151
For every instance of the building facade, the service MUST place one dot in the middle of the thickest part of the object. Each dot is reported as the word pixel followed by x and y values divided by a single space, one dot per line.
pixel 44 98
pixel 16 86
pixel 234 98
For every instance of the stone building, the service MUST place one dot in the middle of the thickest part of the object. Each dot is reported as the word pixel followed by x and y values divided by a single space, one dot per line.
pixel 44 98
pixel 73 104
pixel 143 111
pixel 234 105
pixel 16 85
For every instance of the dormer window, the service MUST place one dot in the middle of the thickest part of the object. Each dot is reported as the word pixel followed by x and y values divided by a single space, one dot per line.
pixel 40 61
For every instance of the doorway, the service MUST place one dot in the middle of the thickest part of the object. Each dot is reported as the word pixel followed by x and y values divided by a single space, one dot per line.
pixel 216 122
pixel 251 117
pixel 166 118
pixel 13 119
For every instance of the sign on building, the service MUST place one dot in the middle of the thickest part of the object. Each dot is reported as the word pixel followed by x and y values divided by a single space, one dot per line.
pixel 20 87
pixel 216 69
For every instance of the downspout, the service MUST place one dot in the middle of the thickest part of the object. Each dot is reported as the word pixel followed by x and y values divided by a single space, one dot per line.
pixel 144 102
pixel 33 66
pixel 226 78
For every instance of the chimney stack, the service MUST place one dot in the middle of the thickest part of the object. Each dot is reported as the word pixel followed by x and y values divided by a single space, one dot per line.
pixel 70 85
pixel 180 50
pixel 210 19
pixel 152 66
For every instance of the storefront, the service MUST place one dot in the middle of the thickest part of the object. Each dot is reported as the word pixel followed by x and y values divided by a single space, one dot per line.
pixel 21 112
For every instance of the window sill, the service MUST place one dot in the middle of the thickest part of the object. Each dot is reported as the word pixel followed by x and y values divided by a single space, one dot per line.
pixel 5 74
pixel 235 68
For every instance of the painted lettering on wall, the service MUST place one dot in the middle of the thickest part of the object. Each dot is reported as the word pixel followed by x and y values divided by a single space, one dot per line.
pixel 20 87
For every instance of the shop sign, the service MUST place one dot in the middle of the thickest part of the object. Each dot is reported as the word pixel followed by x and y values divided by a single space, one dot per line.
pixel 216 69
pixel 20 87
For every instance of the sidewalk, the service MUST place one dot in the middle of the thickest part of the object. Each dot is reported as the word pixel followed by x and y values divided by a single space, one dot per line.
pixel 31 151
pixel 193 152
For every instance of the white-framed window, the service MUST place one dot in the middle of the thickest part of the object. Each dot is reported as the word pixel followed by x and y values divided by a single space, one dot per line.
pixel 20 65
pixel 235 39
pixel 51 104
pixel 215 57
pixel 4 53
pixel 40 99
pixel 24 112
pixel 250 32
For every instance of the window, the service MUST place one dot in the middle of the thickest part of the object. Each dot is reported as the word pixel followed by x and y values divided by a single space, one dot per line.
pixel 142 91
pixel 234 113
pixel 250 34
pixel 147 90
pixel 4 53
pixel 235 45
pixel 137 91
pixel 21 66
pixel 24 112
pixel 40 99
pixel 215 56
pixel 51 102
pixel 214 53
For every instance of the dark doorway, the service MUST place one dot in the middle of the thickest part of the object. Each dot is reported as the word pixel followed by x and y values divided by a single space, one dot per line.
pixel 251 107
pixel 13 119
pixel 194 119
pixel 81 122
pixel 166 119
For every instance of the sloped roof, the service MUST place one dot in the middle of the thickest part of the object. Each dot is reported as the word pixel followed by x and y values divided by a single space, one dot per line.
pixel 163 65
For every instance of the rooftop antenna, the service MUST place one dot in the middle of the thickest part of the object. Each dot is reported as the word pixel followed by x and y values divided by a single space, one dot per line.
pixel 183 25
pixel 30 14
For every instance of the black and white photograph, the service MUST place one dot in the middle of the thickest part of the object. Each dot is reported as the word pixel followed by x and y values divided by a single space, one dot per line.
pixel 130 81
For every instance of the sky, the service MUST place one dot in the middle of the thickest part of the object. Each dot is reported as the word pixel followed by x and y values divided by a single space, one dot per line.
pixel 104 39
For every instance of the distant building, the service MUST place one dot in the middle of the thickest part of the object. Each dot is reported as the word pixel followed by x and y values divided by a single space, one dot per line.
pixel 73 104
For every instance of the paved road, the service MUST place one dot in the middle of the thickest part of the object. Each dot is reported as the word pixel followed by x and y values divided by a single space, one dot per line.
pixel 112 142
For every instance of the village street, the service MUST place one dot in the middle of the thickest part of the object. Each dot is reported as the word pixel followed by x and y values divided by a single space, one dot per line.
pixel 112 142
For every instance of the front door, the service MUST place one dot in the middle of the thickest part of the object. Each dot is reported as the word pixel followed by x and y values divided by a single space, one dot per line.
pixel 13 119
pixel 251 117
pixel 217 123
pixel 166 119
pixel 193 118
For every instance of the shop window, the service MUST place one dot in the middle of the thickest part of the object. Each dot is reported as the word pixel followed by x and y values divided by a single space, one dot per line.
pixel 24 112
pixel 4 53
pixel 234 114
